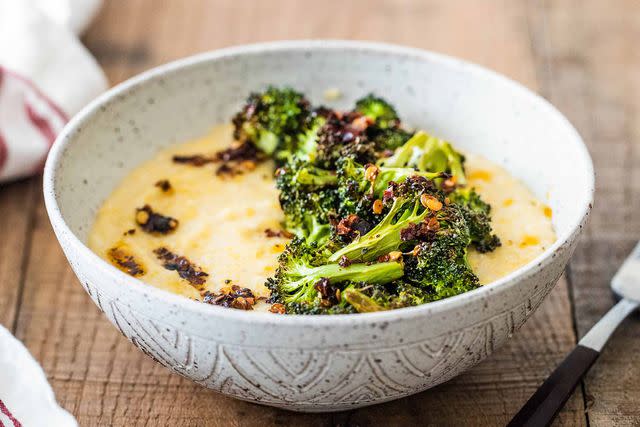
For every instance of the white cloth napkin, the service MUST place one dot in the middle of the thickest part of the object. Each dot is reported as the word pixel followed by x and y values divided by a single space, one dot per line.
pixel 46 75
pixel 26 398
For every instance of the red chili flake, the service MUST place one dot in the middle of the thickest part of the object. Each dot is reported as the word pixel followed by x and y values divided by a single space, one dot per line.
pixel 388 194
pixel 384 258
pixel 360 124
pixel 185 268
pixel 153 222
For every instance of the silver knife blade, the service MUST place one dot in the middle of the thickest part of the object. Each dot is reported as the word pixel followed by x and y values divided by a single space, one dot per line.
pixel 626 282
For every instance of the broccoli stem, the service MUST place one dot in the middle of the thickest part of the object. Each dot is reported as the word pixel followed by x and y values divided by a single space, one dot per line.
pixel 384 237
pixel 319 232
pixel 308 141
pixel 361 302
pixel 315 176
pixel 439 156
pixel 403 154
pixel 380 273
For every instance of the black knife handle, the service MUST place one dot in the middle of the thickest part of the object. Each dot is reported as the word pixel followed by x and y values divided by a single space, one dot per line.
pixel 546 402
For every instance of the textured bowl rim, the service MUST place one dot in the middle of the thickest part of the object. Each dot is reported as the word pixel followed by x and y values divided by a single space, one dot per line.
pixel 511 279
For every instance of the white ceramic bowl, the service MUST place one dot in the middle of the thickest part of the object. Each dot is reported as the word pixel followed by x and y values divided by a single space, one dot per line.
pixel 318 363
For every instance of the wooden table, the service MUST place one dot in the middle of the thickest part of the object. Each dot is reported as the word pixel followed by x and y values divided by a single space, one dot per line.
pixel 582 55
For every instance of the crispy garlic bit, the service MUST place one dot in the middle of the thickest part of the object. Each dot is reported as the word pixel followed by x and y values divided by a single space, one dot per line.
pixel 233 297
pixel 277 308
pixel 371 173
pixel 122 258
pixel 390 257
pixel 377 206
pixel 185 268
pixel 430 202
pixel 449 184
pixel 153 222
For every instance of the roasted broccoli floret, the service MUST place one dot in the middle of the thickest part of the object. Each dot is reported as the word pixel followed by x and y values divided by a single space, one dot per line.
pixel 477 213
pixel 360 186
pixel 344 135
pixel 308 199
pixel 382 114
pixel 304 287
pixel 410 203
pixel 421 229
pixel 384 130
pixel 427 153
pixel 304 173
pixel 273 121
pixel 438 264
pixel 382 216
pixel 372 127
pixel 441 267
pixel 375 179
pixel 387 140
pixel 307 144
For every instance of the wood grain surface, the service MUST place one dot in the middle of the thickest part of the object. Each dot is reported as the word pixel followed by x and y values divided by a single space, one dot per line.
pixel 581 54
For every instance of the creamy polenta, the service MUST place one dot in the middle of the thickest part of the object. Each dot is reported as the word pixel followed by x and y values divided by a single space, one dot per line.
pixel 223 222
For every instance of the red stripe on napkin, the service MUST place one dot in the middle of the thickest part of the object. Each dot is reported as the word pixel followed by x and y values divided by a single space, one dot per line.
pixel 41 123
pixel 29 123
pixel 3 144
pixel 3 152
pixel 35 90
pixel 6 412
pixel 44 127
